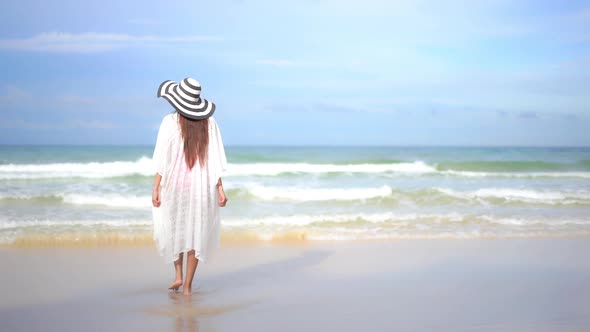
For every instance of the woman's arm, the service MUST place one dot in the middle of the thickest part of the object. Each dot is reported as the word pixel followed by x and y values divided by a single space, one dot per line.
pixel 156 192
pixel 222 198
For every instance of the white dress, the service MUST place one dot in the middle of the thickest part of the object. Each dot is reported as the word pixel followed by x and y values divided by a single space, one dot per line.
pixel 188 216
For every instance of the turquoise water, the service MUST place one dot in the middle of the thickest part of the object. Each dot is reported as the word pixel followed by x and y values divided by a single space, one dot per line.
pixel 323 193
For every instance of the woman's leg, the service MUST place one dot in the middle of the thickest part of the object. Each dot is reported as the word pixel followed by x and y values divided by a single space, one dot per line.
pixel 178 268
pixel 191 267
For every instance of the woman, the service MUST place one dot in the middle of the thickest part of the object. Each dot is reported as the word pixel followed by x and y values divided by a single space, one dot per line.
pixel 189 160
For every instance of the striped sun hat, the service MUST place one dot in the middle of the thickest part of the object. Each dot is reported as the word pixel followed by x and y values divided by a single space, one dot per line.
pixel 186 98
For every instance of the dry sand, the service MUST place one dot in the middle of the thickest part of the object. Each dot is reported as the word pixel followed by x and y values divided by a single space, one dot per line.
pixel 414 285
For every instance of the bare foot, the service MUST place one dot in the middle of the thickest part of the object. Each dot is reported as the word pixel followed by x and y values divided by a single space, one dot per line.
pixel 186 290
pixel 175 285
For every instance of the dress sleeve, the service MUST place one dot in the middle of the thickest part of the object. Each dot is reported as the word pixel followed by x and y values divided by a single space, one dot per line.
pixel 160 157
pixel 216 153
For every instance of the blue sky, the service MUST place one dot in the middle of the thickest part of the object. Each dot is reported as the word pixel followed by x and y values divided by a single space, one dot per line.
pixel 300 72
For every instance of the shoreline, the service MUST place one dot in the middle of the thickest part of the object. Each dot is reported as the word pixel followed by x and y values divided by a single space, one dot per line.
pixel 418 285
pixel 295 237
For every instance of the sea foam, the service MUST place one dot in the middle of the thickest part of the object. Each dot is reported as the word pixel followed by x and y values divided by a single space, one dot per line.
pixel 521 195
pixel 258 191
pixel 144 167
pixel 103 199
pixel 273 169
pixel 331 227
pixel 93 170
pixel 318 194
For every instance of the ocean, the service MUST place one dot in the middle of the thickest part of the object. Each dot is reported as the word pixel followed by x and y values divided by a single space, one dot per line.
pixel 102 194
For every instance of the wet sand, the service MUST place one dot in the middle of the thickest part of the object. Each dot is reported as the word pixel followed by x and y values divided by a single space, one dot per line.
pixel 414 285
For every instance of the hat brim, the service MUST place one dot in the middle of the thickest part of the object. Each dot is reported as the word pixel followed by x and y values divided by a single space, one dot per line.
pixel 201 109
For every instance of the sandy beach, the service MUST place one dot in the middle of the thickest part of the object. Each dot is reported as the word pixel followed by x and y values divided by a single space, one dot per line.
pixel 412 285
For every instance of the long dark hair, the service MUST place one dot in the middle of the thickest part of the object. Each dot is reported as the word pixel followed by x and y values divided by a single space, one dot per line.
pixel 195 134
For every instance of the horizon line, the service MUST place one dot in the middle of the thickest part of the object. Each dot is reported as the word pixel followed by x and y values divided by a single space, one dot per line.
pixel 306 146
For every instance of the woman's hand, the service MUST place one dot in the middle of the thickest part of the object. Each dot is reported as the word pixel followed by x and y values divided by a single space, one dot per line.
pixel 156 197
pixel 156 193
pixel 222 198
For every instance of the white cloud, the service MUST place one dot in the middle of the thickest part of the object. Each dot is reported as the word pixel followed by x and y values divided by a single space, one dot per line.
pixel 93 124
pixel 309 64
pixel 75 100
pixel 12 97
pixel 14 94
pixel 58 42
pixel 277 62
pixel 144 21
pixel 77 124
pixel 293 63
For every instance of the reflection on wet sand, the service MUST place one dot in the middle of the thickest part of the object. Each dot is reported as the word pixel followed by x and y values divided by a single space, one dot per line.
pixel 187 310
pixel 190 306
